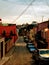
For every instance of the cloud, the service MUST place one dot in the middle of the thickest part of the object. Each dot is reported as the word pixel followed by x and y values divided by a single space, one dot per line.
pixel 20 2
pixel 11 9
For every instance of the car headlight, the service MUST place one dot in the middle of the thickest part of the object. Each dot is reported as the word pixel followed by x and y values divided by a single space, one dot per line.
pixel 43 58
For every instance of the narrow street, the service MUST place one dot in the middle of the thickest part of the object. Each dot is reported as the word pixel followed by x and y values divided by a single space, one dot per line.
pixel 19 54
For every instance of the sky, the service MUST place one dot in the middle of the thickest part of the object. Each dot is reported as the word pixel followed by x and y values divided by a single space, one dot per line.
pixel 21 11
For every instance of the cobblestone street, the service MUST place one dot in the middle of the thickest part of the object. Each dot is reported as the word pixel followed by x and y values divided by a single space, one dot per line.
pixel 21 55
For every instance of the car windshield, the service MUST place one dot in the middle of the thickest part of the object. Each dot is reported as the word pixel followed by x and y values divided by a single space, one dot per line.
pixel 44 51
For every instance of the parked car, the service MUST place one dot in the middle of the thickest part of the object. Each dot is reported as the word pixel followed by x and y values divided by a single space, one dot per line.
pixel 41 56
pixel 26 39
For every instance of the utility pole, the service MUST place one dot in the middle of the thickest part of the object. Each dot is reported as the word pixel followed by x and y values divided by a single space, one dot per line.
pixel 48 19
pixel 42 18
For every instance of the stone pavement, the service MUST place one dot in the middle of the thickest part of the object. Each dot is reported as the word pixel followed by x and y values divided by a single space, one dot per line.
pixel 19 55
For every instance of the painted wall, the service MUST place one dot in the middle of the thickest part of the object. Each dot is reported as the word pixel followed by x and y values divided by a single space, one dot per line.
pixel 8 29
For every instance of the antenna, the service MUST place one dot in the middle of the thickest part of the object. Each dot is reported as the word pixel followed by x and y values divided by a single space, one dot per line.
pixel 42 18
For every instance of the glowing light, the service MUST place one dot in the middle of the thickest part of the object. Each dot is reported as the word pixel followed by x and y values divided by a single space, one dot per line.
pixel 46 29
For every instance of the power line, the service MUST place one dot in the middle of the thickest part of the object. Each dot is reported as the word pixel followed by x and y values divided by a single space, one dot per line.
pixel 24 10
pixel 47 4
